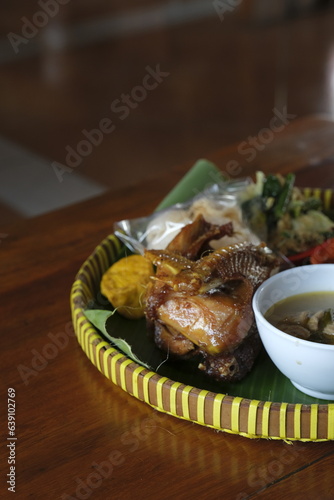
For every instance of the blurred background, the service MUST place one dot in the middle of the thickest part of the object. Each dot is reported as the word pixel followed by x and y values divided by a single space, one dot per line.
pixel 97 96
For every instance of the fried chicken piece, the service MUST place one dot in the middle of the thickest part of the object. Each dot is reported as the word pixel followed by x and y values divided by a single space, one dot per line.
pixel 233 366
pixel 194 239
pixel 208 303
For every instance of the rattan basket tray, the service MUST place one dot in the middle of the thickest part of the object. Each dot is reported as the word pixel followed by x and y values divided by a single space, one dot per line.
pixel 287 419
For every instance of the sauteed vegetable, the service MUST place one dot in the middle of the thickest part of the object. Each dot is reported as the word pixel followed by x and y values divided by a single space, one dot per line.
pixel 280 214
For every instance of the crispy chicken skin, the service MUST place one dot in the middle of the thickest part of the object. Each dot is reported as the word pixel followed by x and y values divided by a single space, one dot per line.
pixel 194 239
pixel 233 366
pixel 215 323
pixel 204 306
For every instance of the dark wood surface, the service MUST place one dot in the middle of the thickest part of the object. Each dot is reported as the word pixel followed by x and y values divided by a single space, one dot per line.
pixel 225 79
pixel 78 435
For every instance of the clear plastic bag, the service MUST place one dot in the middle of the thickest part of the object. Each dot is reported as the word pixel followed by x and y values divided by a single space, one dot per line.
pixel 218 204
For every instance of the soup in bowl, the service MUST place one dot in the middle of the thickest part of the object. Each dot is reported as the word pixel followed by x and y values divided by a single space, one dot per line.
pixel 301 302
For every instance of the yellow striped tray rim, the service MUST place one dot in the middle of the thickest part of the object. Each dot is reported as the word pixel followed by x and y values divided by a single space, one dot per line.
pixel 232 414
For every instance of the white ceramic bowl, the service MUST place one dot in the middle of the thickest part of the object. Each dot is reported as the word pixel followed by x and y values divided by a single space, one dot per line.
pixel 309 365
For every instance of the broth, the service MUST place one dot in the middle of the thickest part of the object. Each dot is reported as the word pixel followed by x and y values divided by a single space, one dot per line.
pixel 308 316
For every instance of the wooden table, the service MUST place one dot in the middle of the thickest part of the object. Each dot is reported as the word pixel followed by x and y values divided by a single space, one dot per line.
pixel 80 436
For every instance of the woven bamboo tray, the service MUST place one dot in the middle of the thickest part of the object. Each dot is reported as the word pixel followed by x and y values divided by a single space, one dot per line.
pixel 236 414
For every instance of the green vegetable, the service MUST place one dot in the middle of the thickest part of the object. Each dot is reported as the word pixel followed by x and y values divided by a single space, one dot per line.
pixel 278 213
pixel 284 197
pixel 255 217
pixel 271 187
pixel 298 207
pixel 276 194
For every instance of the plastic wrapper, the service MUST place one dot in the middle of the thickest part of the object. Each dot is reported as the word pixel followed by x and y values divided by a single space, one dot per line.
pixel 219 204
